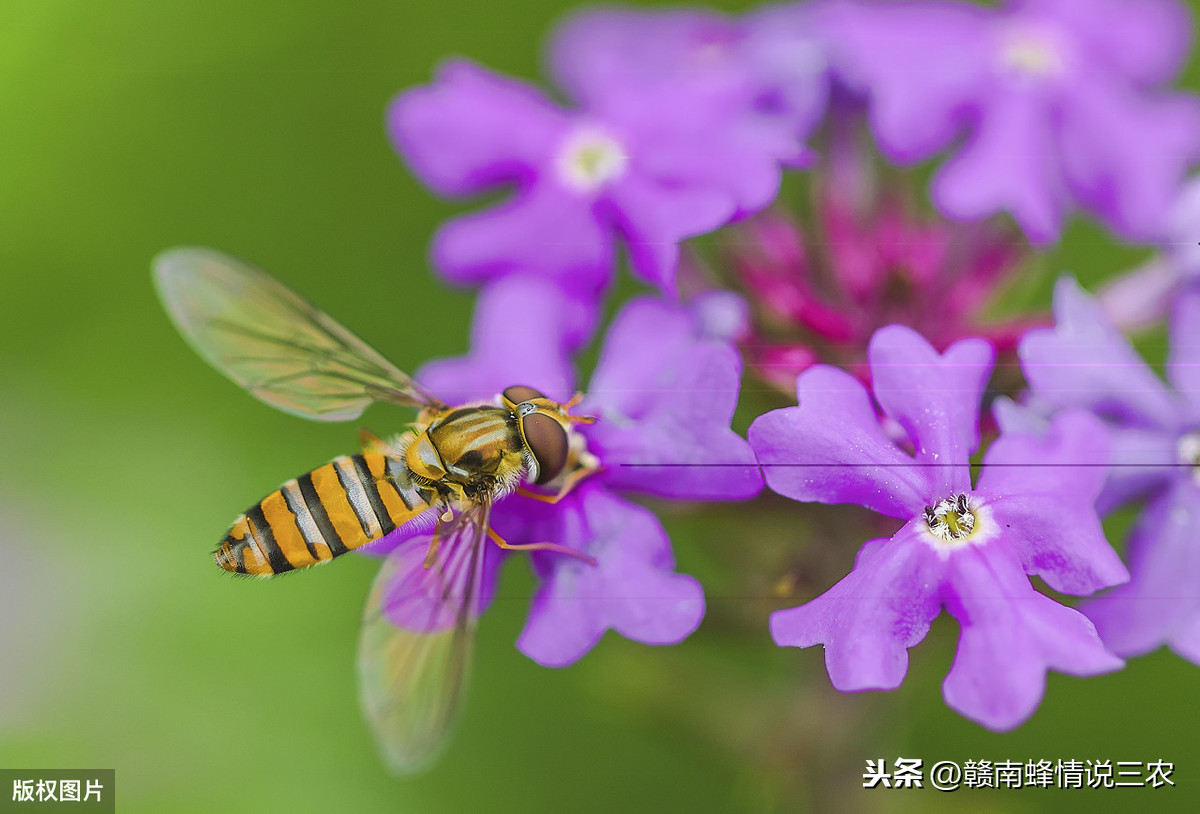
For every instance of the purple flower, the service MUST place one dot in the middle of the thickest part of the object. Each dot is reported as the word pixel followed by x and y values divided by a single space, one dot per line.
pixel 652 165
pixel 664 395
pixel 1061 101
pixel 1141 298
pixel 1183 237
pixel 768 68
pixel 966 548
pixel 1084 362
pixel 520 314
pixel 633 587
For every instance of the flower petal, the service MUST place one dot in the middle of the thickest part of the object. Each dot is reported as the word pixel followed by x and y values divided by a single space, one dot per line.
pixel 447 131
pixel 868 621
pixel 920 64
pixel 934 397
pixel 1059 540
pixel 663 395
pixel 1139 299
pixel 1184 248
pixel 1142 462
pixel 1008 164
pixel 1163 595
pixel 522 329
pixel 1131 175
pixel 831 449
pixel 788 55
pixel 722 314
pixel 1186 639
pixel 686 433
pixel 1183 362
pixel 757 82
pixel 1085 362
pixel 1146 40
pixel 646 339
pixel 632 589
pixel 601 51
pixel 1011 635
pixel 692 140
pixel 1021 417
pixel 1041 490
pixel 654 217
pixel 545 230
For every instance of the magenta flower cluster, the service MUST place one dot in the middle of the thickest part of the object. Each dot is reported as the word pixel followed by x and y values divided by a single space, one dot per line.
pixel 663 126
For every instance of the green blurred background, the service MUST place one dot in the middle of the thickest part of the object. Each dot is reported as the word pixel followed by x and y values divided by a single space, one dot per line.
pixel 256 127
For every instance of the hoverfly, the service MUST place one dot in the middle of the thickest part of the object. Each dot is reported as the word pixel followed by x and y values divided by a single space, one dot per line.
pixel 444 473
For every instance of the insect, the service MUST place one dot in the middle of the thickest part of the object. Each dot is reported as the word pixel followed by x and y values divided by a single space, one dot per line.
pixel 444 473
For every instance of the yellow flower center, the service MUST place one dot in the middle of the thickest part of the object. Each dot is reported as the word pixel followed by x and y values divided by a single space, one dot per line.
pixel 589 159
pixel 951 519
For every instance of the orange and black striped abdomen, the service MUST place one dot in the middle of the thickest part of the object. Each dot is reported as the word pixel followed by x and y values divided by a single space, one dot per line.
pixel 336 508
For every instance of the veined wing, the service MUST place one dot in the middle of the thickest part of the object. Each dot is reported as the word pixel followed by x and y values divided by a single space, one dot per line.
pixel 416 642
pixel 273 342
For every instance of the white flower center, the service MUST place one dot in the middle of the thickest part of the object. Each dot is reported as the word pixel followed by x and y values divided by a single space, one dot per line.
pixel 1188 451
pixel 589 159
pixel 1032 53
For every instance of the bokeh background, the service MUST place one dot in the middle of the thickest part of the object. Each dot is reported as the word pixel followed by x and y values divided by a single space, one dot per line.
pixel 256 127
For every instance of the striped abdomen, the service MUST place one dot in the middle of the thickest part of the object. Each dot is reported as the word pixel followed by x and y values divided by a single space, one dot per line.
pixel 337 507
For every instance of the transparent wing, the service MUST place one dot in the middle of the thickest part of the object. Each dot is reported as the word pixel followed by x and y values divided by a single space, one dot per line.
pixel 416 641
pixel 273 342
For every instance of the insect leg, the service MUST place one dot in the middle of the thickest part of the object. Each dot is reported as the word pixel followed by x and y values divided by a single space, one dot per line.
pixel 558 549
pixel 576 419
pixel 431 552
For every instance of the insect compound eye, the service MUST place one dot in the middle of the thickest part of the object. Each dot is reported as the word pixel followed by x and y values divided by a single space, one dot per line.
pixel 519 393
pixel 547 440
